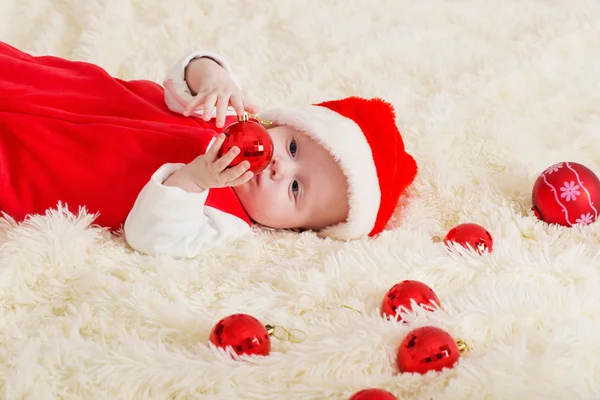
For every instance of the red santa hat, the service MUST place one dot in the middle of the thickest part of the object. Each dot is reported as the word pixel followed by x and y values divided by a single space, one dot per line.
pixel 363 137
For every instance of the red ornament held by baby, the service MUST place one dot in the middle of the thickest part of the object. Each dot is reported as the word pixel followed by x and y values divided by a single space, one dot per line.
pixel 243 333
pixel 470 235
pixel 254 142
pixel 566 194
pixel 402 296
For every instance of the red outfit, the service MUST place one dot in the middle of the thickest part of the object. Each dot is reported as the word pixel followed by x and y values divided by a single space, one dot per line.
pixel 71 133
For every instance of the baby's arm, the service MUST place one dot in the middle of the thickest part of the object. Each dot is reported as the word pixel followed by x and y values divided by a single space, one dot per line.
pixel 171 221
pixel 177 92
pixel 201 69
pixel 170 215
pixel 202 81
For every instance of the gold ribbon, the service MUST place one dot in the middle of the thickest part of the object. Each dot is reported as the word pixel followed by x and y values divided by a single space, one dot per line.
pixel 272 330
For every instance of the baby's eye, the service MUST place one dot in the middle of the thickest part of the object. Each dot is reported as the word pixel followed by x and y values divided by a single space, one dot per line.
pixel 295 188
pixel 293 148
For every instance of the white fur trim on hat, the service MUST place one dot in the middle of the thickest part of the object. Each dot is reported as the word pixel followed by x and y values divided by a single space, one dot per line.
pixel 344 139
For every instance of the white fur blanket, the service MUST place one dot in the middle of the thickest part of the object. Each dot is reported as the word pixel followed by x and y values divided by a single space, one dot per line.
pixel 488 94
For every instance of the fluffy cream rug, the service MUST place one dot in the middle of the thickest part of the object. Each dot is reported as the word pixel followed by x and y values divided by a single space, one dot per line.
pixel 488 94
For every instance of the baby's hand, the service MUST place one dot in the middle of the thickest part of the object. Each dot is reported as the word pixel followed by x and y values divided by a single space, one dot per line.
pixel 215 88
pixel 208 171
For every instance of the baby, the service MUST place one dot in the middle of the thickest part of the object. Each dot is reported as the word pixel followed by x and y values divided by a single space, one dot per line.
pixel 145 158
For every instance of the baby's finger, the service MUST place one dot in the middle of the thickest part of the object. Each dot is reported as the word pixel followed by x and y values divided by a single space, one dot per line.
pixel 238 105
pixel 246 176
pixel 213 152
pixel 196 101
pixel 251 107
pixel 222 104
pixel 209 104
pixel 233 173
pixel 227 158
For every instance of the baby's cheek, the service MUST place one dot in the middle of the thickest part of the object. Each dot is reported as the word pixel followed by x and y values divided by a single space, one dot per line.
pixel 274 212
pixel 259 201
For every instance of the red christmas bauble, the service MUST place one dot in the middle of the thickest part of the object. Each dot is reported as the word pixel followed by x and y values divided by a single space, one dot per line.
pixel 254 142
pixel 373 394
pixel 399 298
pixel 473 235
pixel 243 333
pixel 566 194
pixel 427 349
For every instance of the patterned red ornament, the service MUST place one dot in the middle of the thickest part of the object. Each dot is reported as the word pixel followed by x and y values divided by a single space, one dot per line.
pixel 427 349
pixel 254 142
pixel 243 333
pixel 473 235
pixel 373 394
pixel 401 296
pixel 566 194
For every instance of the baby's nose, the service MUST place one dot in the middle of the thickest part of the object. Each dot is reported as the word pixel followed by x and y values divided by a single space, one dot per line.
pixel 277 169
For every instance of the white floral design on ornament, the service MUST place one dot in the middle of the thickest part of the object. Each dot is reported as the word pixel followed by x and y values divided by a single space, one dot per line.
pixel 553 168
pixel 570 191
pixel 585 219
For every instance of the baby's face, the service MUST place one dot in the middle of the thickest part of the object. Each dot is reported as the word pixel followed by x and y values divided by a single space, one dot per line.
pixel 302 188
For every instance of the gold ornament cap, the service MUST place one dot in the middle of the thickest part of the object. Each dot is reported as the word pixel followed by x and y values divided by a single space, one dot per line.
pixel 462 346
pixel 246 117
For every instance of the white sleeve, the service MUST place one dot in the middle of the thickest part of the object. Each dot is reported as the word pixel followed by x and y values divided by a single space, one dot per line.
pixel 168 220
pixel 177 92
